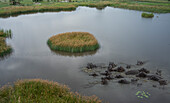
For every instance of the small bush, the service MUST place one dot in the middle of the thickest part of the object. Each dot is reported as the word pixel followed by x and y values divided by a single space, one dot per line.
pixel 147 15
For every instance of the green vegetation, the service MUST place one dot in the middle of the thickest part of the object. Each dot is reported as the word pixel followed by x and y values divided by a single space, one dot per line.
pixel 73 42
pixel 41 91
pixel 142 94
pixel 28 6
pixel 6 33
pixel 146 15
pixel 4 48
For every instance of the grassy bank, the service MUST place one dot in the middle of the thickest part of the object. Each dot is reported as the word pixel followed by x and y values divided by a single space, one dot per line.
pixel 157 6
pixel 73 42
pixel 41 91
pixel 4 48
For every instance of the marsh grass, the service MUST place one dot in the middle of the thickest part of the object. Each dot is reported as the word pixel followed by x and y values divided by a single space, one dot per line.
pixel 147 15
pixel 5 33
pixel 17 10
pixel 73 42
pixel 41 91
pixel 156 6
pixel 4 48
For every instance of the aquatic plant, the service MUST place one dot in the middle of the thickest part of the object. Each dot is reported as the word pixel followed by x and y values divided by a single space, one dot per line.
pixel 42 91
pixel 5 33
pixel 4 48
pixel 142 94
pixel 73 42
pixel 147 15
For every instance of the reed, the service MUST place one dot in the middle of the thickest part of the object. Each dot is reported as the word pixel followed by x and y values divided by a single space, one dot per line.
pixel 73 42
pixel 42 91
pixel 147 15
pixel 4 48
pixel 5 33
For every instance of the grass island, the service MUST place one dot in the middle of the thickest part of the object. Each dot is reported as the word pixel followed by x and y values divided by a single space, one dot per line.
pixel 74 42
pixel 147 15
pixel 4 48
pixel 42 91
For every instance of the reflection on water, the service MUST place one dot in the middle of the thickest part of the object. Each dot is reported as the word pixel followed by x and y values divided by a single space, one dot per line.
pixel 90 53
pixel 124 37
pixel 6 56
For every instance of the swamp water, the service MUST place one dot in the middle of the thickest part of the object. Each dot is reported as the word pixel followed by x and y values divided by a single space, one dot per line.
pixel 124 37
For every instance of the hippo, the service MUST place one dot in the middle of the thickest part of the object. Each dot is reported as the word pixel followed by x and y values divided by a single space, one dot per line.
pixel 123 81
pixel 132 72
pixel 91 66
pixel 119 69
pixel 141 74
pixel 140 63
pixel 106 73
pixel 144 70
pixel 119 76
pixel 94 75
pixel 104 81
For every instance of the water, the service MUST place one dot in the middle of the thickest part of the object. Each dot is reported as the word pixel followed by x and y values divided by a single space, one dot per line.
pixel 124 37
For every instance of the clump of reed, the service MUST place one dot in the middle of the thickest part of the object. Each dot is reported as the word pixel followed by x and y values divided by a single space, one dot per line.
pixel 5 33
pixel 42 91
pixel 4 48
pixel 73 42
pixel 147 15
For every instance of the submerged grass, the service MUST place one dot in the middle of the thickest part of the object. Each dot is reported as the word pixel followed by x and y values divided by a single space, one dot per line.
pixel 41 91
pixel 73 42
pixel 4 48
pixel 147 15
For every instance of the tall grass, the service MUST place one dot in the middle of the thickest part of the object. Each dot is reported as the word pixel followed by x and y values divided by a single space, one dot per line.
pixel 41 91
pixel 4 48
pixel 73 42
pixel 17 10
pixel 5 33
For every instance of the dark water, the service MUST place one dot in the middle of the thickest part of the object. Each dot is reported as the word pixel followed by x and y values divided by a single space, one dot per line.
pixel 123 35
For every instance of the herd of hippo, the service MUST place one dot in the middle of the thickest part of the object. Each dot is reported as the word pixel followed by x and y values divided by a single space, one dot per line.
pixel 142 73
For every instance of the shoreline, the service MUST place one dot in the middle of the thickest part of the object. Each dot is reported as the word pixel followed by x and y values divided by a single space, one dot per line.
pixel 57 7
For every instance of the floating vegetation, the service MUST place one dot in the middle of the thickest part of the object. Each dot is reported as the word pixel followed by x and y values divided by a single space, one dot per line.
pixel 142 94
pixel 42 91
pixel 74 42
pixel 4 48
pixel 147 15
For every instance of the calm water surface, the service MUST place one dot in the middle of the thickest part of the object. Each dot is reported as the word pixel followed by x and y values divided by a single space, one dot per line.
pixel 124 37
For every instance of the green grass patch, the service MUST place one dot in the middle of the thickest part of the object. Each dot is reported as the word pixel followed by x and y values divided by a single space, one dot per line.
pixel 4 48
pixel 74 42
pixel 147 15
pixel 41 91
